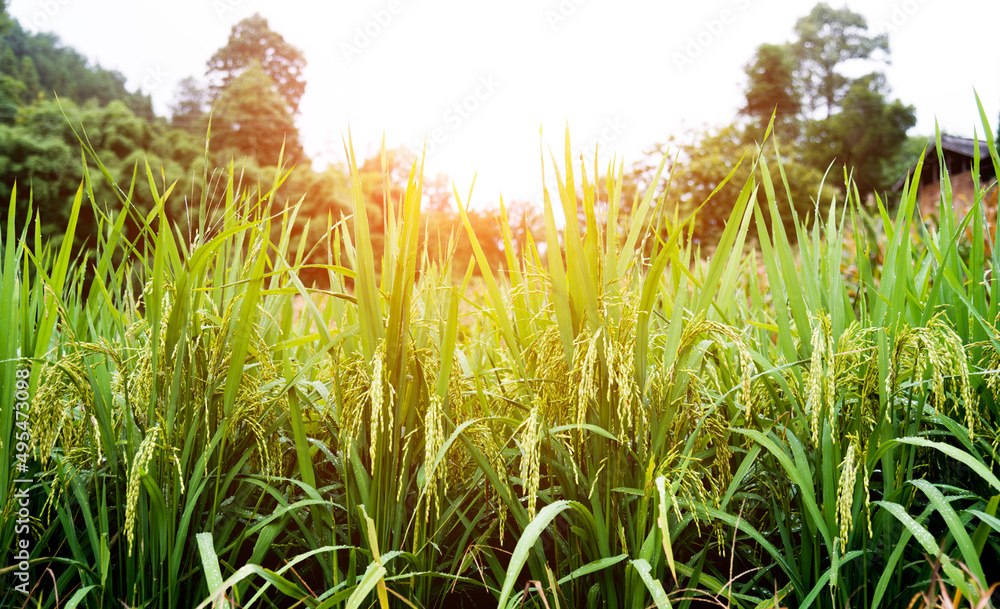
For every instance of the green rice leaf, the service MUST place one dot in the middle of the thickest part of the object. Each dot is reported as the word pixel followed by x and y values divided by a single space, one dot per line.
pixel 531 534
pixel 655 588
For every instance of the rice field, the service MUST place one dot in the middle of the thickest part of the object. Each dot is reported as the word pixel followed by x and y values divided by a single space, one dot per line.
pixel 807 420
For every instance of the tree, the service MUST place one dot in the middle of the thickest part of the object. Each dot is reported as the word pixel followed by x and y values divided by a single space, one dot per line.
pixel 252 41
pixel 705 164
pixel 5 19
pixel 29 76
pixel 191 103
pixel 11 86
pixel 827 38
pixel 860 128
pixel 864 136
pixel 255 120
pixel 8 62
pixel 62 70
pixel 772 89
pixel 437 194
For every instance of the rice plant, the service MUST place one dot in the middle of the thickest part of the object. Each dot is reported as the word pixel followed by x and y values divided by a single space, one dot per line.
pixel 613 421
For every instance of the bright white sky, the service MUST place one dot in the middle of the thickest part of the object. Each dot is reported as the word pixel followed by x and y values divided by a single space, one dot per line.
pixel 482 77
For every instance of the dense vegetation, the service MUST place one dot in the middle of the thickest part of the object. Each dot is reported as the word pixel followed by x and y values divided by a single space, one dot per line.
pixel 616 423
pixel 252 87
pixel 248 383
pixel 250 91
pixel 825 121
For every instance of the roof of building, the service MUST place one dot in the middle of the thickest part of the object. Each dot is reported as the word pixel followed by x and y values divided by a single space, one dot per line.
pixel 963 145
pixel 949 143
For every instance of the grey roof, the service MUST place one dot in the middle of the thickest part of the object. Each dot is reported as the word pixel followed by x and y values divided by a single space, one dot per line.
pixel 962 145
pixel 949 143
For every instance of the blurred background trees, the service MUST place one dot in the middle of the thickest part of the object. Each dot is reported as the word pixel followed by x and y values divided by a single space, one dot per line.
pixel 824 121
pixel 825 118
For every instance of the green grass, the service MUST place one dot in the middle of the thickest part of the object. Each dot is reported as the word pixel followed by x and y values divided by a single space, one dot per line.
pixel 612 422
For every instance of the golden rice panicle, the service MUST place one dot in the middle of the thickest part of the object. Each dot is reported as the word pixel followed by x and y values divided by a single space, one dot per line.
pixel 689 482
pixel 957 363
pixel 992 361
pixel 381 405
pixel 993 366
pixel 943 356
pixel 865 478
pixel 856 374
pixel 63 397
pixel 819 391
pixel 263 458
pixel 845 489
pixel 531 439
pixel 743 354
pixel 633 420
pixel 352 375
pixel 587 375
pixel 716 430
pixel 548 362
pixel 700 326
pixel 489 444
pixel 252 410
pixel 870 386
pixel 142 458
pixel 433 442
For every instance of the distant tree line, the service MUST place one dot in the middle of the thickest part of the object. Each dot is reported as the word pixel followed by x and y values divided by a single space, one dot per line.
pixel 253 85
pixel 824 122
pixel 250 91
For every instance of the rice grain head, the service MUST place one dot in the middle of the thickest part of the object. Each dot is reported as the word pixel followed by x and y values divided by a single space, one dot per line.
pixel 587 374
pixel 937 351
pixel 845 490
pixel 433 442
pixel 822 372
pixel 381 408
pixel 142 458
pixel 531 439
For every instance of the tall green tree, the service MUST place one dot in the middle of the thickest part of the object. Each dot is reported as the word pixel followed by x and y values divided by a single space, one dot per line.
pixel 252 40
pixel 11 86
pixel 252 118
pixel 5 20
pixel 771 90
pixel 829 118
pixel 8 62
pixel 864 136
pixel 29 76
pixel 828 37
pixel 190 108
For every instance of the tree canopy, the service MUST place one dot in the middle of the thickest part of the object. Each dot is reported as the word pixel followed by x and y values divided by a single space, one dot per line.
pixel 822 119
pixel 772 88
pixel 828 37
pixel 251 117
pixel 252 42
pixel 825 115
pixel 53 68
